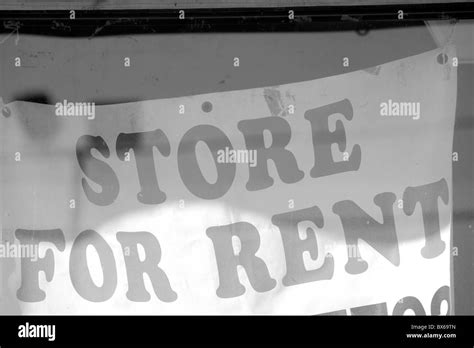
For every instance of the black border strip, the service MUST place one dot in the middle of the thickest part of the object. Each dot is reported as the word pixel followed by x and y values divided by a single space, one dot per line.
pixel 329 18
pixel 241 329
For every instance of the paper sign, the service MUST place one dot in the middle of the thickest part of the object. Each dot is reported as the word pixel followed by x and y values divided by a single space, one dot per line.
pixel 322 196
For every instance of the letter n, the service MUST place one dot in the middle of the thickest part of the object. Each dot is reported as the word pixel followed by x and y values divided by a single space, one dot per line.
pixel 357 224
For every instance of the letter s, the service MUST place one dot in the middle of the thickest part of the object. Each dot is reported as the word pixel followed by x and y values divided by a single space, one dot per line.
pixel 97 170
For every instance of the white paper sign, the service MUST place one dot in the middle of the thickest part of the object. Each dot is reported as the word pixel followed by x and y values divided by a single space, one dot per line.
pixel 323 196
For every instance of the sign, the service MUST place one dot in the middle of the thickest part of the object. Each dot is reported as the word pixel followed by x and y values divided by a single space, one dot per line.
pixel 322 196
